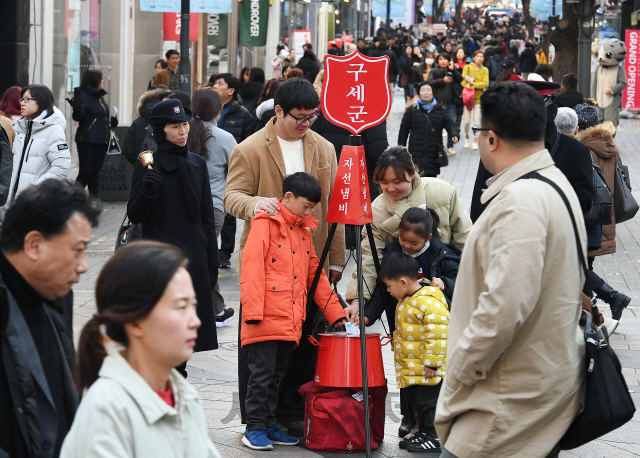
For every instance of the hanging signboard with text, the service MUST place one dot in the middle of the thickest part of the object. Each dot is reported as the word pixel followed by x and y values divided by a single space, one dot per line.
pixel 217 30
pixel 195 6
pixel 631 93
pixel 355 91
pixel 254 17
pixel 350 201
pixel 172 23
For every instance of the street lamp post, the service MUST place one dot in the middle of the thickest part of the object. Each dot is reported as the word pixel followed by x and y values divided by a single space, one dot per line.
pixel 586 12
pixel 184 69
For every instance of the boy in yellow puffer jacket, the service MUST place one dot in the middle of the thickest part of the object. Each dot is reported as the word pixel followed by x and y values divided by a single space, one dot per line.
pixel 420 345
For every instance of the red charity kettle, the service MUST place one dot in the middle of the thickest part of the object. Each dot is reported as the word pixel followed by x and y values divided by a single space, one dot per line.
pixel 339 361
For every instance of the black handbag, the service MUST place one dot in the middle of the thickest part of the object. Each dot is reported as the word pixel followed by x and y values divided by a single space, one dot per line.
pixel 443 159
pixel 601 209
pixel 607 402
pixel 625 205
pixel 127 233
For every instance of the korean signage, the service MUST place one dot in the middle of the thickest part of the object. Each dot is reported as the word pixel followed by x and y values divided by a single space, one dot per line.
pixel 172 24
pixel 217 30
pixel 631 94
pixel 355 91
pixel 350 201
pixel 254 17
pixel 195 6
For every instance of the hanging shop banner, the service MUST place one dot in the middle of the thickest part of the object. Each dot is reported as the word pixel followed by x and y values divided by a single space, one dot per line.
pixel 631 93
pixel 172 24
pixel 254 16
pixel 379 8
pixel 195 6
pixel 217 30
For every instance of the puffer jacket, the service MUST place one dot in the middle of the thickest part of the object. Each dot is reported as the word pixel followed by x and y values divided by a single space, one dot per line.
pixel 445 92
pixel 46 154
pixel 420 338
pixel 136 135
pixel 278 266
pixel 444 262
pixel 437 194
pixel 603 148
pixel 92 114
pixel 238 122
pixel 426 135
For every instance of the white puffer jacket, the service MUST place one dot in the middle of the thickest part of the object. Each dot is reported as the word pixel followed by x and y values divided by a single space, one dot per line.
pixel 46 154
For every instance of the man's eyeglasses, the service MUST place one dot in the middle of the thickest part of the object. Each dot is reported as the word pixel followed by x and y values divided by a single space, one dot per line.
pixel 26 99
pixel 301 121
pixel 476 129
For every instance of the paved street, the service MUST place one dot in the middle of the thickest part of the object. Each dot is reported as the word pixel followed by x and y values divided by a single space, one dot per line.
pixel 214 374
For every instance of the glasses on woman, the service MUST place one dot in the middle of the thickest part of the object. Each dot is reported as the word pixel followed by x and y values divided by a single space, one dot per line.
pixel 26 99
pixel 301 121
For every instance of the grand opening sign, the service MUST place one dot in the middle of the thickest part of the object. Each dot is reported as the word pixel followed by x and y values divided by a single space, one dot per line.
pixel 631 94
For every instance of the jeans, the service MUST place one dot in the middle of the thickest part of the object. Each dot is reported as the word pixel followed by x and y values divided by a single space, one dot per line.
pixel 267 363
pixel 409 91
pixel 218 300
pixel 91 157
pixel 228 237
pixel 451 109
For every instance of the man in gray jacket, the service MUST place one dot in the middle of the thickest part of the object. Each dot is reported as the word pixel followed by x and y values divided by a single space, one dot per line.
pixel 515 354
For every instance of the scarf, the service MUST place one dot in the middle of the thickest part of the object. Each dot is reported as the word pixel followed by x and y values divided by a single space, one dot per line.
pixel 185 169
pixel 427 106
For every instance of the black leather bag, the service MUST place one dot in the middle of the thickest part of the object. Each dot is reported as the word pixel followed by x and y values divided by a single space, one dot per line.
pixel 607 402
pixel 625 205
pixel 443 159
pixel 601 209
pixel 127 233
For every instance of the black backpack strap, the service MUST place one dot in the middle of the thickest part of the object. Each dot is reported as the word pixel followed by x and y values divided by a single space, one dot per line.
pixel 555 146
pixel 537 176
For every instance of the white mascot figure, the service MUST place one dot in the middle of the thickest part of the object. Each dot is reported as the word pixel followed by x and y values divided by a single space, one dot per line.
pixel 609 80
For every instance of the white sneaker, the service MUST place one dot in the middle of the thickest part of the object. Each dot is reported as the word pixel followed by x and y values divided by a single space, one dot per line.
pixel 451 151
pixel 610 324
pixel 466 143
pixel 475 145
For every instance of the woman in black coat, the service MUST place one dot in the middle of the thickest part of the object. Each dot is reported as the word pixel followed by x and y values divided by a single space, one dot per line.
pixel 251 90
pixel 94 128
pixel 172 201
pixel 425 121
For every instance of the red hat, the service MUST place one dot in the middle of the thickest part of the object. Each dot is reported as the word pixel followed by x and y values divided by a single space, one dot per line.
pixel 338 42
pixel 329 44
pixel 543 87
pixel 348 38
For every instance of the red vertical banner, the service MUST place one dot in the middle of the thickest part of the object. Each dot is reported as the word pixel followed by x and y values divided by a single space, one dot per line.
pixel 350 201
pixel 172 23
pixel 631 94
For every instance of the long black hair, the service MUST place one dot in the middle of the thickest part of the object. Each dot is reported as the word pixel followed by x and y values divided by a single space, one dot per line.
pixel 206 105
pixel 91 78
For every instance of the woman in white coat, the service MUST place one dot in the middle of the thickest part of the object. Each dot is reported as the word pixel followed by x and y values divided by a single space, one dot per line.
pixel 137 405
pixel 40 149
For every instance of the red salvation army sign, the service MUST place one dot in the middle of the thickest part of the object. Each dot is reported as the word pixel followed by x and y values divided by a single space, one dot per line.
pixel 356 92
pixel 631 94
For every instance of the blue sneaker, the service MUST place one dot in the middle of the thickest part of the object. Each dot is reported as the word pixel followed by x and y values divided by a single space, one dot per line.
pixel 279 437
pixel 257 439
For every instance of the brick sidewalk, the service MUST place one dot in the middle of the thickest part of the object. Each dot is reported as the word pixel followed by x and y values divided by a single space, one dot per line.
pixel 214 374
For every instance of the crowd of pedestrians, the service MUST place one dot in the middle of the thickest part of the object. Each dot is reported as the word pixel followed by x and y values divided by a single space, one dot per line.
pixel 260 150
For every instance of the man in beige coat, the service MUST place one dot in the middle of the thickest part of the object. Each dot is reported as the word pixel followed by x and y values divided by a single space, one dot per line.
pixel 257 168
pixel 515 353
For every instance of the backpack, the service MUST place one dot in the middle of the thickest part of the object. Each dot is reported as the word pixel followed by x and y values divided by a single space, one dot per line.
pixel 495 66
pixel 6 165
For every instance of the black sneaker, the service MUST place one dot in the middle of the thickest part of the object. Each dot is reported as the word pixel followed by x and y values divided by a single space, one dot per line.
pixel 424 443
pixel 405 426
pixel 225 318
pixel 225 263
pixel 404 443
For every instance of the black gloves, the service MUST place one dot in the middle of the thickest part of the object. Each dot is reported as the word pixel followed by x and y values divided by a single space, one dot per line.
pixel 152 178
pixel 252 321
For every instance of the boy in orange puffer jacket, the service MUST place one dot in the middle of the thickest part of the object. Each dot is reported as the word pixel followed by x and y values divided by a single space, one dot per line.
pixel 278 266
